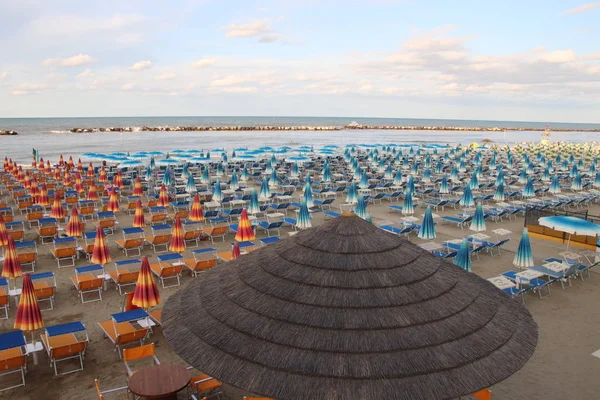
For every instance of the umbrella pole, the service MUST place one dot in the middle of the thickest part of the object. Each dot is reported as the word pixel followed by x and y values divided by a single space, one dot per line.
pixel 33 350
pixel 569 241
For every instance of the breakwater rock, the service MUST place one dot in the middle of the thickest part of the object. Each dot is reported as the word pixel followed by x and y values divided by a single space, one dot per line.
pixel 8 133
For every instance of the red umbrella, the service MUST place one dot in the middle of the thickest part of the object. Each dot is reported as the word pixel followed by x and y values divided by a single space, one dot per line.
pixel 34 162
pixel 71 164
pixel 196 214
pixel 57 211
pixel 101 254
pixel 235 252
pixel 41 164
pixel 146 292
pixel 42 199
pixel 61 160
pixel 79 166
pixel 103 178
pixel 90 171
pixel 118 180
pixel 48 168
pixel 113 201
pixel 34 190
pixel 138 189
pixel 79 184
pixel 74 227
pixel 163 197
pixel 25 179
pixel 177 244
pixel 92 193
pixel 29 316
pixel 245 232
pixel 57 173
pixel 5 164
pixel 3 234
pixel 11 267
pixel 138 218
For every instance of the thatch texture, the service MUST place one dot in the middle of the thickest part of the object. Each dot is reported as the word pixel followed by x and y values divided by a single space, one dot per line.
pixel 348 311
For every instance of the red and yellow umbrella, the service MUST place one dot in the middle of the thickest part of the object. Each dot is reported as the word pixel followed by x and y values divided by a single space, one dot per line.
pixel 34 190
pixel 20 176
pixel 70 163
pixel 48 168
pixel 67 178
pixel 138 218
pixel 42 199
pixel 3 234
pixel 92 193
pixel 57 173
pixel 101 254
pixel 118 180
pixel 79 184
pixel 74 227
pixel 90 170
pixel 244 232
pixel 103 178
pixel 163 196
pixel 61 160
pixel 177 244
pixel 146 292
pixel 79 166
pixel 5 164
pixel 26 180
pixel 196 214
pixel 34 162
pixel 235 251
pixel 29 316
pixel 138 189
pixel 113 201
pixel 11 267
pixel 41 164
pixel 57 211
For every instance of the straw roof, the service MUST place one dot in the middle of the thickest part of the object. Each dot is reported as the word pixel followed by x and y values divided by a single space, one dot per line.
pixel 348 311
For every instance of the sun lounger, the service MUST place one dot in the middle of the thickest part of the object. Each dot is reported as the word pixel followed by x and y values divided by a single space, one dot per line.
pixel 107 220
pixel 89 279
pixel 144 352
pixel 215 232
pixel 192 234
pixel 13 359
pixel 125 273
pixel 330 214
pixel 269 227
pixel 121 329
pixel 161 236
pixel 4 298
pixel 199 263
pixel 65 250
pixel 460 222
pixel 169 266
pixel 62 343
pixel 535 285
pixel 133 241
pixel 27 254
pixel 44 284
pixel 443 254
pixel 393 208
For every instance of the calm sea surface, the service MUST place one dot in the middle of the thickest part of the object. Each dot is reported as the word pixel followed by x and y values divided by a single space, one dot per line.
pixel 52 138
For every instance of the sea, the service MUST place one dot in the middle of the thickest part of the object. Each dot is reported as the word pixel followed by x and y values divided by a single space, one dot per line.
pixel 51 136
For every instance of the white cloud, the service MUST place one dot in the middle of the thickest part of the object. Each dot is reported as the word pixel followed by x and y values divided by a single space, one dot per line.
pixel 76 25
pixel 165 77
pixel 558 56
pixel 3 75
pixel 141 65
pixel 233 89
pixel 256 28
pixel 25 89
pixel 127 86
pixel 582 8
pixel 204 62
pixel 74 61
pixel 85 74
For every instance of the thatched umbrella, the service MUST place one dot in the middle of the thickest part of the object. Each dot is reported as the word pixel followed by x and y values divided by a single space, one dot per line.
pixel 348 311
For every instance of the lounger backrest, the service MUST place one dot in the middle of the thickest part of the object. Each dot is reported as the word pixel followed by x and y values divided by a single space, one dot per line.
pixel 87 210
pixel 17 235
pixel 132 337
pixel 45 292
pixel 161 239
pixel 191 234
pixel 128 277
pixel 68 350
pixel 3 297
pixel 107 223
pixel 137 353
pixel 219 230
pixel 171 270
pixel 182 214
pixel 34 215
pixel 48 230
pixel 133 243
pixel 27 258
pixel 205 264
pixel 90 284
pixel 65 252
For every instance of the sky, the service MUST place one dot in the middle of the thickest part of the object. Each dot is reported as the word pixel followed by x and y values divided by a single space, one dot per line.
pixel 513 60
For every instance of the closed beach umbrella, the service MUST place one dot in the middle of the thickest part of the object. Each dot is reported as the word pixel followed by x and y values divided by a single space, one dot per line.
pixel 528 190
pixel 245 175
pixel 235 251
pixel 177 244
pixel 205 178
pixel 364 181
pixel 273 181
pixel 3 234
pixel 234 184
pixel 148 174
pixel 444 189
pixel 408 208
pixel 245 232
pixel 473 183
pixel 190 186
pixel 118 180
pixel 90 171
pixel 79 184
pixel 265 190
pixel 42 199
pixel 352 196
pixel 398 177
pixel 295 172
pixel 576 184
pixel 101 254
pixel 57 210
pixel 523 177
pixel 500 177
pixel 217 192
pixel 308 197
pixel 74 227
pixel 427 229
pixel 427 175
pixel 163 196
pixel 146 292
pixel 34 190
pixel 138 189
pixel 103 178
pixel 524 256
pixel 555 185
pixel 29 316
pixel 478 222
pixel 113 200
pixel 597 180
pixel 361 208
pixel 463 257
pixel 454 173
pixel 139 221
pixel 167 180
pixel 389 173
pixel 303 221
pixel 499 194
pixel 254 206
pixel 466 199
pixel 196 214
pixel 11 266
pixel 92 193
pixel 326 173
pixel 410 184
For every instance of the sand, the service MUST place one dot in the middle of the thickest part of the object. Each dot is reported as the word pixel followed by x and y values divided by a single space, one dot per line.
pixel 562 367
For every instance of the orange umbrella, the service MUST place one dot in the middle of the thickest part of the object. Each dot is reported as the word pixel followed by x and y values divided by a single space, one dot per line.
pixel 11 267
pixel 90 171
pixel 48 168
pixel 67 178
pixel 113 201
pixel 103 178
pixel 3 234
pixel 101 254
pixel 92 193
pixel 79 166
pixel 33 162
pixel 57 173
pixel 5 164
pixel 196 214
pixel 177 244
pixel 57 210
pixel 163 197
pixel 138 189
pixel 146 293
pixel 34 190
pixel 42 199
pixel 118 180
pixel 26 179
pixel 74 227
pixel 235 252
pixel 61 160
pixel 138 218
pixel 41 164
pixel 70 163
pixel 29 316
pixel 79 184
pixel 244 231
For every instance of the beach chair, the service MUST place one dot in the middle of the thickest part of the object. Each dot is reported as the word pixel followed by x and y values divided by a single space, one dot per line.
pixel 33 216
pixel 27 254
pixel 204 385
pixel 170 266
pixel 161 236
pixel 4 298
pixel 280 208
pixel 107 220
pixel 269 240
pixel 394 208
pixel 330 215
pixel 131 204
pixel 443 254
pixel 269 227
pixel 324 204
pixel 232 213
pixel 13 359
pixel 459 221
pixel 145 352
pixel 44 284
pixel 497 245
pixel 123 328
pixel 47 229
pixel 133 241
pixel 204 259
pixel 16 229
pixel 87 211
pixel 158 215
pixel 125 274
pixel 65 342
pixel 182 214
pixel 65 249
pixel 89 238
pixel 398 231
pixel 535 285
pixel 100 393
pixel 89 280
pixel 215 232
pixel 192 232
pixel 436 205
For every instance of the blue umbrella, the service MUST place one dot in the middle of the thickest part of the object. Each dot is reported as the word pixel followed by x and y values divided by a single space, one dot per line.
pixel 205 178
pixel 303 221
pixel 352 196
pixel 245 175
pixel 555 185
pixel 427 229
pixel 130 164
pixel 254 206
pixel 574 171
pixel 234 184
pixel 152 163
pixel 273 180
pixel 444 189
pixel 528 190
pixel 220 170
pixel 454 173
pixel 499 194
pixel 167 180
pixel 576 184
pixel 408 207
pixel 295 173
pixel 523 177
pixel 326 173
pixel 361 208
pixel 463 258
pixel 570 225
pixel 398 177
pixel 467 198
pixel 190 186
pixel 427 175
pixel 473 183
pixel 524 256
pixel 597 180
pixel 217 193
pixel 389 172
pixel 308 198
pixel 410 184
pixel 364 181
pixel 478 221
pixel 167 161
pixel 148 173
pixel 185 170
pixel 265 190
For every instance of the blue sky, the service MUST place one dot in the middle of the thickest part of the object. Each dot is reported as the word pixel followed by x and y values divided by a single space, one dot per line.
pixel 511 60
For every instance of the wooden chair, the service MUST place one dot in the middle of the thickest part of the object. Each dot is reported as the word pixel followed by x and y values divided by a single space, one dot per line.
pixel 145 352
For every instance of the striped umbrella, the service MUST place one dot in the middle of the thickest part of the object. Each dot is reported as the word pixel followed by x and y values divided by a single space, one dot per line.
pixel 3 234
pixel 478 222
pixel 11 266
pixel 463 258
pixel 444 189
pixel 70 163
pixel 138 189
pixel 146 292
pixel 29 316
pixel 113 200
pixel 555 185
pixel 326 172
pixel 253 207
pixel 398 177
pixel 410 184
pixel 139 221
pixel 427 229
pixel 217 192
pixel 408 208
pixel 265 190
pixel 42 199
pixel 167 180
pixel 499 194
pixel 361 208
pixel 234 183
pixel 524 256
pixel 92 193
pixel 529 190
pixel 57 210
pixel 245 232
pixel 308 197
pixel 597 180
pixel 196 214
pixel 118 180
pixel 364 181
pixel 163 196
pixel 74 227
pixel 235 251
pixel 467 198
pixel 34 190
pixel 273 180
pixel 79 184
pixel 103 178
pixel 352 196
pixel 245 175
pixel 101 254
pixel 303 221
pixel 177 244
pixel 205 178
pixel 90 171
pixel 190 185
pixel 473 183
pixel 576 184
pixel 148 174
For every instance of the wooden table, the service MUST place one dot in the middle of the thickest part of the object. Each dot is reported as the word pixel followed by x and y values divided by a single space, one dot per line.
pixel 161 381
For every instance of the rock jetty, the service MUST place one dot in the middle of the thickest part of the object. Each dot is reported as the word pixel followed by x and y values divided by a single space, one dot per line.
pixel 8 133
